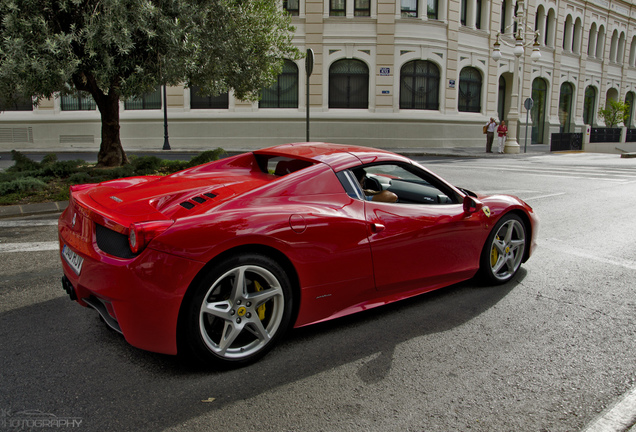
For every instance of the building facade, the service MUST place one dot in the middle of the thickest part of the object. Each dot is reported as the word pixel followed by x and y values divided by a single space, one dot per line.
pixel 387 73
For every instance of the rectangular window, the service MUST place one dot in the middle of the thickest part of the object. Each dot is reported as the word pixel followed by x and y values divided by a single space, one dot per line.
pixel 147 101
pixel 362 8
pixel 409 8
pixel 337 7
pixel 478 15
pixel 17 103
pixel 292 6
pixel 462 13
pixel 431 9
pixel 78 101
pixel 198 101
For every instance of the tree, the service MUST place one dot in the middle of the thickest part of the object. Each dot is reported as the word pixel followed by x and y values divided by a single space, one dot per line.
pixel 616 112
pixel 117 49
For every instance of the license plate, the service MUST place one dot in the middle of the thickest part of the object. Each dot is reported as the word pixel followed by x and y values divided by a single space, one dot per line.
pixel 72 259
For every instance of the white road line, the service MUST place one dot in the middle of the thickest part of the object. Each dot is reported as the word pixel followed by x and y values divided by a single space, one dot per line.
pixel 618 417
pixel 29 247
pixel 562 247
pixel 26 223
pixel 543 196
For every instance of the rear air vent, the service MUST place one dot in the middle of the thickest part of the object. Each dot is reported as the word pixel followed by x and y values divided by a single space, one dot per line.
pixel 198 200
pixel 112 242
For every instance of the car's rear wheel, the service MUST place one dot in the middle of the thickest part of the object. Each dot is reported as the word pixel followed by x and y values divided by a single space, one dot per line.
pixel 503 253
pixel 239 310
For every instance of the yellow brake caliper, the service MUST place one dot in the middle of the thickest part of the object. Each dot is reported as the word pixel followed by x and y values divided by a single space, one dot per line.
pixel 494 255
pixel 261 308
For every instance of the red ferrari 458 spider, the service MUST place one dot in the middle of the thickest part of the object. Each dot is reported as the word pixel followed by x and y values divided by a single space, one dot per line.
pixel 217 261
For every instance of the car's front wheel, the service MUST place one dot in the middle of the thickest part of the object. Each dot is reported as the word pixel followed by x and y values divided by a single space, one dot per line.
pixel 503 253
pixel 238 310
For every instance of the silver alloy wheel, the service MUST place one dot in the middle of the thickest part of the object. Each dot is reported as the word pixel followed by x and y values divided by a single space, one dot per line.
pixel 241 312
pixel 507 249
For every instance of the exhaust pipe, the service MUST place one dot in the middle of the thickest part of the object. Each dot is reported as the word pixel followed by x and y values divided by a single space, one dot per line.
pixel 68 287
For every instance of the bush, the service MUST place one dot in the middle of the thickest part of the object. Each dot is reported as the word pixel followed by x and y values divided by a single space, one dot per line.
pixel 22 163
pixel 206 156
pixel 30 181
pixel 61 169
pixel 22 185
pixel 146 164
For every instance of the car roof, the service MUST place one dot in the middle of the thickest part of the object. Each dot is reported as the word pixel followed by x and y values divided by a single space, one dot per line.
pixel 337 156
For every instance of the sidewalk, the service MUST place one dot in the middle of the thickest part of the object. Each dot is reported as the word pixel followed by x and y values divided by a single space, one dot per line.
pixel 455 152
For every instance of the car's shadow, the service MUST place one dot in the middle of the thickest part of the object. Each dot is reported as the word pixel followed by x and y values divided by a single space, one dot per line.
pixel 59 358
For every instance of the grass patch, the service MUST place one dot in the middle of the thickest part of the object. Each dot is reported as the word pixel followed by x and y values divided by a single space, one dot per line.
pixel 28 181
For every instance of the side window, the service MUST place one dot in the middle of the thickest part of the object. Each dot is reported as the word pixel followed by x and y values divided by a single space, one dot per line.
pixel 409 183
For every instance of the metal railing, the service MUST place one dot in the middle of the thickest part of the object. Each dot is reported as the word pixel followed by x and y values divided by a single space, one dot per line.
pixel 566 141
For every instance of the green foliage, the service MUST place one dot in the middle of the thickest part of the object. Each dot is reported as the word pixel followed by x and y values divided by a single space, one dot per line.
pixel 615 113
pixel 120 49
pixel 206 156
pixel 49 180
pixel 22 185
pixel 22 163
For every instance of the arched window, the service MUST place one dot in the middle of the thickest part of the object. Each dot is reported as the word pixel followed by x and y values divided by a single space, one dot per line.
pixel 576 37
pixel 419 85
pixel 589 105
pixel 469 90
pixel 537 113
pixel 620 52
pixel 565 107
pixel 349 84
pixel 567 33
pixel 600 43
pixel 591 43
pixel 632 52
pixel 550 28
pixel 614 46
pixel 284 92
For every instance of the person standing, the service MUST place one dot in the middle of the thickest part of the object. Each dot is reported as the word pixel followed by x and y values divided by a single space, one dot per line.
pixel 502 132
pixel 490 134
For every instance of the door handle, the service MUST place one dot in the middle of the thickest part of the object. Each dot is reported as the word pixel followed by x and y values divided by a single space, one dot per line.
pixel 377 227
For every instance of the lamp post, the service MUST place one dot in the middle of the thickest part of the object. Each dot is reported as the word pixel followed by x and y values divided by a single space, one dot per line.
pixel 512 145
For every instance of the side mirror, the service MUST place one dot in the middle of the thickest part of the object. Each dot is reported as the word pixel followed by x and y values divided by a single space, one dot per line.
pixel 471 204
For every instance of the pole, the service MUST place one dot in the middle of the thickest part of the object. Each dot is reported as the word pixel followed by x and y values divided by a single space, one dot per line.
pixel 166 143
pixel 309 67
pixel 307 121
pixel 525 144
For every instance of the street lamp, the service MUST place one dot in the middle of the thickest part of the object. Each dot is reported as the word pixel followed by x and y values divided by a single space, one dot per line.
pixel 519 45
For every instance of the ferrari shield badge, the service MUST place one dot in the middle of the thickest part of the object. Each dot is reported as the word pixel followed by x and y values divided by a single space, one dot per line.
pixel 486 210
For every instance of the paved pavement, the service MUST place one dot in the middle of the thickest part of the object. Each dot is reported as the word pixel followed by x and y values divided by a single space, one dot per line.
pixel 620 416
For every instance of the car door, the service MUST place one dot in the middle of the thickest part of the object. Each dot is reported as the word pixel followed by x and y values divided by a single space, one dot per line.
pixel 422 246
pixel 426 239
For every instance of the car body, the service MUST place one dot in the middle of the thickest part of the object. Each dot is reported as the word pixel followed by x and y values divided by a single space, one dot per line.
pixel 218 260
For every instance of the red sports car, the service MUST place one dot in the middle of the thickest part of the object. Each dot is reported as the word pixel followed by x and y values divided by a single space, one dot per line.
pixel 217 261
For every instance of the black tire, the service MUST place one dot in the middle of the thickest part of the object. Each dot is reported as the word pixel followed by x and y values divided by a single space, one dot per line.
pixel 238 311
pixel 503 252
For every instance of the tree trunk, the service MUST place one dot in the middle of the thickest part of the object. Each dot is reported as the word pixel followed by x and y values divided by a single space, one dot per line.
pixel 111 152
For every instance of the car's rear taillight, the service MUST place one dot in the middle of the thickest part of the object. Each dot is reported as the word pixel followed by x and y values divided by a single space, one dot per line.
pixel 141 233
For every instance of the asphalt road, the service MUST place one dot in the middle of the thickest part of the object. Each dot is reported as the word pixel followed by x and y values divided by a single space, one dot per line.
pixel 546 352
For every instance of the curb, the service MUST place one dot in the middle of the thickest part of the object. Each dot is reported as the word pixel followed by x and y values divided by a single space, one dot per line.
pixel 32 209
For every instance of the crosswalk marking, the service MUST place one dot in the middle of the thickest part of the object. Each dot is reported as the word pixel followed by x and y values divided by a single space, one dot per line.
pixel 29 247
